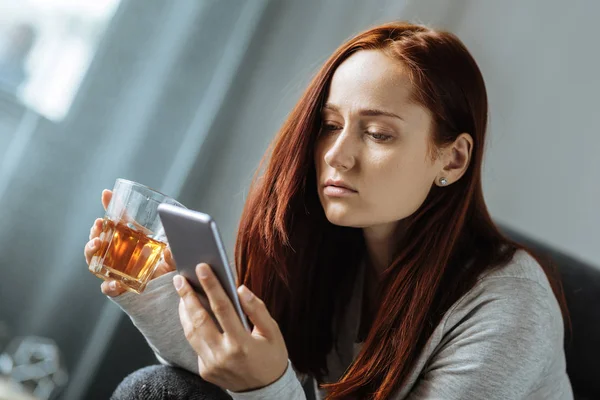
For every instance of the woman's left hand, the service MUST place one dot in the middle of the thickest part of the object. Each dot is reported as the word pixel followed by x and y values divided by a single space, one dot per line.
pixel 236 359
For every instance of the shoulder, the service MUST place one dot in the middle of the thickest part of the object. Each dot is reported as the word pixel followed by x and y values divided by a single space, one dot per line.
pixel 504 337
pixel 522 267
pixel 512 304
pixel 522 280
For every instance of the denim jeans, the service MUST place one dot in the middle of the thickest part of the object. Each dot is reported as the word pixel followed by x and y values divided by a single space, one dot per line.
pixel 160 382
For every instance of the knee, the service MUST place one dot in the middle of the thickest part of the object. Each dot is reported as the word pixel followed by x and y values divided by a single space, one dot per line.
pixel 147 383
pixel 161 382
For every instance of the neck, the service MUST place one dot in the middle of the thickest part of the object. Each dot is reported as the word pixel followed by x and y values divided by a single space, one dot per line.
pixel 380 242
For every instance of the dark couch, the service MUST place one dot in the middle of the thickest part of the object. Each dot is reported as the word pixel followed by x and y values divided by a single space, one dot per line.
pixel 581 284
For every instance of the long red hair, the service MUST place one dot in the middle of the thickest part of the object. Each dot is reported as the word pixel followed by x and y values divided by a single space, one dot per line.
pixel 300 264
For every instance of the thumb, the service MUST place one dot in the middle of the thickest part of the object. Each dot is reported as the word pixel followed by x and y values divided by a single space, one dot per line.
pixel 257 311
pixel 106 196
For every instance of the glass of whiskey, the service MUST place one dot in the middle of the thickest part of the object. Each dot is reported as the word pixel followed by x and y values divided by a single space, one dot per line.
pixel 132 238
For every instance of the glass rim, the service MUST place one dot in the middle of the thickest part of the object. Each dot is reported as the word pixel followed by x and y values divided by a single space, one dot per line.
pixel 134 183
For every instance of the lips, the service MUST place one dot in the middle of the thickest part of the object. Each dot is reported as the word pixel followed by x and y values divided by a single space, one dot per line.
pixel 339 184
pixel 338 189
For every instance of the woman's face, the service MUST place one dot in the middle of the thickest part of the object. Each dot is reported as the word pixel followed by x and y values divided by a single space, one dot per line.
pixel 374 141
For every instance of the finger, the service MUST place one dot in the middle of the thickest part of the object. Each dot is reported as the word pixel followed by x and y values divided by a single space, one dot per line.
pixel 96 229
pixel 257 311
pixel 202 326
pixel 91 248
pixel 220 302
pixel 165 265
pixel 200 346
pixel 168 258
pixel 106 196
pixel 162 269
pixel 112 288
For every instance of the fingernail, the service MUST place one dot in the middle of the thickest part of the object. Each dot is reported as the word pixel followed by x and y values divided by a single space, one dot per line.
pixel 178 282
pixel 91 244
pixel 247 295
pixel 112 285
pixel 202 271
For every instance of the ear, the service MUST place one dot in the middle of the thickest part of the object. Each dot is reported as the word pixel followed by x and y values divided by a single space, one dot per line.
pixel 455 160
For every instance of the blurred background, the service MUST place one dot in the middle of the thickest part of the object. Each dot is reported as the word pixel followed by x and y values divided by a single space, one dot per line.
pixel 185 95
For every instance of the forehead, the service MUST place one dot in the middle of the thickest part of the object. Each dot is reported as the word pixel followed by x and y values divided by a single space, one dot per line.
pixel 370 79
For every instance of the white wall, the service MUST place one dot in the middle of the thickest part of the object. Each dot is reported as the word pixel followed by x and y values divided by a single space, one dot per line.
pixel 540 60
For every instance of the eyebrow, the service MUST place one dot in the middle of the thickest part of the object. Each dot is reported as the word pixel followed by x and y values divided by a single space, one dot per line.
pixel 366 112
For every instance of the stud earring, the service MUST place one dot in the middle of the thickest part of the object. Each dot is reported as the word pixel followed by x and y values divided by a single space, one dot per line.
pixel 443 181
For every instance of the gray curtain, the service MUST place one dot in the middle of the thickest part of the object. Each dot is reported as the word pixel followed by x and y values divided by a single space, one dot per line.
pixel 144 109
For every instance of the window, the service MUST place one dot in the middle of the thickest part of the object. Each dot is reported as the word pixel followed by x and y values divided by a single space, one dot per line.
pixel 46 47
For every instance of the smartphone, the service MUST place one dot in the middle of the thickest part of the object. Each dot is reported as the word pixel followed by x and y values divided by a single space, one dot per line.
pixel 194 238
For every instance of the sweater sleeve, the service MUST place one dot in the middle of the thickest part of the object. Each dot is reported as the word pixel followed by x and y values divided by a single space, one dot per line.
pixel 155 314
pixel 288 387
pixel 498 345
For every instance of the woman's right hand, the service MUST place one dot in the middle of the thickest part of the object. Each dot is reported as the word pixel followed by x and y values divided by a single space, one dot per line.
pixel 111 287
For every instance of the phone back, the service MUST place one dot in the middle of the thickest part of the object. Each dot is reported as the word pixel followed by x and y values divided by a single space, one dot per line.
pixel 194 238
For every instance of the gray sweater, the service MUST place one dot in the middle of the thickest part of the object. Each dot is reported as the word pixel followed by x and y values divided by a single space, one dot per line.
pixel 502 340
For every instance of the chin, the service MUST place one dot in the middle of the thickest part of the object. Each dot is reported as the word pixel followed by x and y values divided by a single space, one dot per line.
pixel 341 216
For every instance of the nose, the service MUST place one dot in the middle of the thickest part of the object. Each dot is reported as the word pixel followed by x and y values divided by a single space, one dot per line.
pixel 341 153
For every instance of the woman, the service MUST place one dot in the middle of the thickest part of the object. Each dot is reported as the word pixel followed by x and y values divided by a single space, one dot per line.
pixel 368 241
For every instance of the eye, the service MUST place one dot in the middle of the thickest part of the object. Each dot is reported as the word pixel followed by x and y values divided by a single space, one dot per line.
pixel 328 127
pixel 380 137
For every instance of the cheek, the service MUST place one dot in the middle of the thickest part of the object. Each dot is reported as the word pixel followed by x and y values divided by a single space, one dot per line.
pixel 413 172
pixel 400 186
pixel 319 156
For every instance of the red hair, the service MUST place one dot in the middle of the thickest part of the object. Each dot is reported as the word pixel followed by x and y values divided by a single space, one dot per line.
pixel 300 264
